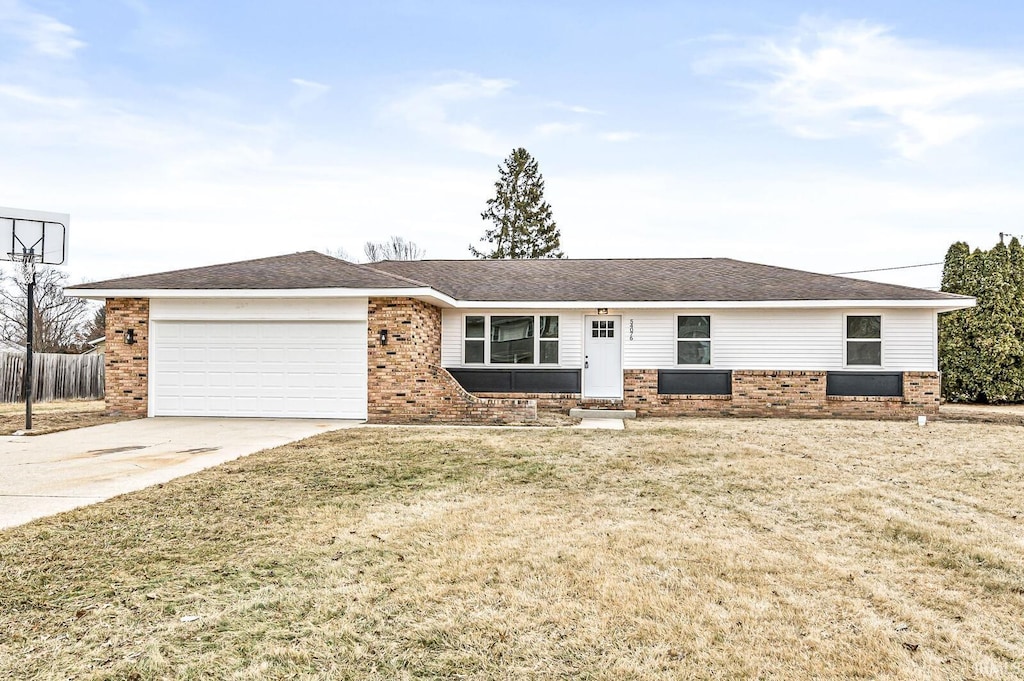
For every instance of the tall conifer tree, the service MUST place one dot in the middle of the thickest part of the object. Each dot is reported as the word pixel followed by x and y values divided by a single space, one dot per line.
pixel 981 349
pixel 523 225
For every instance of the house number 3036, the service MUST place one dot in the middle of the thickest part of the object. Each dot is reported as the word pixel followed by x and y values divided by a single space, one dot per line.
pixel 630 329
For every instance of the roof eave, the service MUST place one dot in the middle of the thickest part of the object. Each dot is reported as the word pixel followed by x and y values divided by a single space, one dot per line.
pixel 939 304
pixel 425 294
pixel 439 299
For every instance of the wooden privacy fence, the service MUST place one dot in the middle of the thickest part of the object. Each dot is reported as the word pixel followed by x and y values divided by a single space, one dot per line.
pixel 55 376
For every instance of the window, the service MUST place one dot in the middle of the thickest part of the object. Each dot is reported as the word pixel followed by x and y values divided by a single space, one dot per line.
pixel 511 339
pixel 603 328
pixel 693 339
pixel 549 340
pixel 474 340
pixel 864 340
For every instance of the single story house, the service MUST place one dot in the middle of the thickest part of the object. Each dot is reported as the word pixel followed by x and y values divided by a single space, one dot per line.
pixel 307 335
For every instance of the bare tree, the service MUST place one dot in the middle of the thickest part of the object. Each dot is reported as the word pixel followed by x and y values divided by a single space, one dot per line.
pixel 396 248
pixel 96 326
pixel 59 321
pixel 340 253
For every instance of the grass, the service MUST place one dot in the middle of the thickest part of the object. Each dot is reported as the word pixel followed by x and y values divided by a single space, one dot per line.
pixel 697 549
pixel 50 417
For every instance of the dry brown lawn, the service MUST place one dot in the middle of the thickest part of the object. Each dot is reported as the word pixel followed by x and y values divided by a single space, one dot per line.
pixel 696 549
pixel 50 417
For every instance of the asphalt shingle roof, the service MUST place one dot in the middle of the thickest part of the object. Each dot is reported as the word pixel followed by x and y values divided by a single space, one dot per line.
pixel 549 280
pixel 307 269
pixel 689 279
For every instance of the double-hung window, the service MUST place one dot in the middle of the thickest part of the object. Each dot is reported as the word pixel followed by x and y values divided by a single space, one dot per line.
pixel 510 339
pixel 693 339
pixel 474 339
pixel 864 340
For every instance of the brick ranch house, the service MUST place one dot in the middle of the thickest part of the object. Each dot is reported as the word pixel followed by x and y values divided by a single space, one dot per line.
pixel 310 336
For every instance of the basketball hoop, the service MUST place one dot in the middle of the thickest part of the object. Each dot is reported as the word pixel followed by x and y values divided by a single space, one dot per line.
pixel 28 259
pixel 37 238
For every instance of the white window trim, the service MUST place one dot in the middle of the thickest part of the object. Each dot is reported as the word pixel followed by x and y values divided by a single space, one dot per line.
pixel 880 340
pixel 536 340
pixel 709 339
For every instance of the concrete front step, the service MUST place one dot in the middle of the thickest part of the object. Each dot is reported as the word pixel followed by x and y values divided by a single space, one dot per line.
pixel 602 413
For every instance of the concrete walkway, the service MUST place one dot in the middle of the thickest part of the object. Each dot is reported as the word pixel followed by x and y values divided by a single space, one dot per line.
pixel 601 423
pixel 46 474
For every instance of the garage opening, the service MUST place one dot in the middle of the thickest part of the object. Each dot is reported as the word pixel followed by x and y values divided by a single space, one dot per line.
pixel 280 369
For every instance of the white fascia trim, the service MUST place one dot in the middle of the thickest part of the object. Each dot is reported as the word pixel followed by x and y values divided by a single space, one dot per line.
pixel 944 305
pixel 421 293
pixel 434 297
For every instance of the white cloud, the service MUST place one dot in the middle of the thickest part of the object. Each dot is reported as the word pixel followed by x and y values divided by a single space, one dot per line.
pixel 40 32
pixel 553 129
pixel 848 79
pixel 434 111
pixel 814 220
pixel 29 96
pixel 620 136
pixel 577 109
pixel 307 91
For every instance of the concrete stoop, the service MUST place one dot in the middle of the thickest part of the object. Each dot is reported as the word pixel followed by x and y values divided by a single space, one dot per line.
pixel 603 413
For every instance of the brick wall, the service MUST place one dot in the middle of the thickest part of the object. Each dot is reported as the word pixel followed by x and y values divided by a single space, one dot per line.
pixel 406 383
pixel 640 392
pixel 127 366
pixel 781 393
pixel 546 401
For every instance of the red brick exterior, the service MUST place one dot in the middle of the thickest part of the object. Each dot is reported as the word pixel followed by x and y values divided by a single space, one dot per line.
pixel 782 393
pixel 127 366
pixel 406 383
pixel 545 401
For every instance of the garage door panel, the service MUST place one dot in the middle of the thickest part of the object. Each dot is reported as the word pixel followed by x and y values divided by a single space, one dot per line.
pixel 295 369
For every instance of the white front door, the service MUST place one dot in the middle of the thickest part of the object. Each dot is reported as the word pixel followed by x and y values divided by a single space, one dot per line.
pixel 602 361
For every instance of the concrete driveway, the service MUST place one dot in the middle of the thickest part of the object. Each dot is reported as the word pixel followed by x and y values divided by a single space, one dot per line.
pixel 46 474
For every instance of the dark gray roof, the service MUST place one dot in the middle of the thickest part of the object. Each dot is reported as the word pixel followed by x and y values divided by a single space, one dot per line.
pixel 308 269
pixel 549 280
pixel 634 279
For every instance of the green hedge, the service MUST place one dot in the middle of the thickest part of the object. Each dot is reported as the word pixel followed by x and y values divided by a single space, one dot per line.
pixel 981 350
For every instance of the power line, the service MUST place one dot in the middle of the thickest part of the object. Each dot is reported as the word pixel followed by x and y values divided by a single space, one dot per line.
pixel 889 269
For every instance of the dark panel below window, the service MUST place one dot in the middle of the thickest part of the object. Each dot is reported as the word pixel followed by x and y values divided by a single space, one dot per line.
pixel 682 382
pixel 864 384
pixel 518 380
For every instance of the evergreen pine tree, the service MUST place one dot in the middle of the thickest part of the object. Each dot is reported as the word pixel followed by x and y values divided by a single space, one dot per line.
pixel 1016 315
pixel 523 226
pixel 954 344
pixel 1000 348
pixel 981 349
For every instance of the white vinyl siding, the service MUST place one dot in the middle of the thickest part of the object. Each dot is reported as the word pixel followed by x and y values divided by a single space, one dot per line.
pixel 908 339
pixel 779 339
pixel 649 339
pixel 570 337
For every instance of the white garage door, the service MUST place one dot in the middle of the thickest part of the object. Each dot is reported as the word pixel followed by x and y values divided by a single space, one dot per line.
pixel 284 369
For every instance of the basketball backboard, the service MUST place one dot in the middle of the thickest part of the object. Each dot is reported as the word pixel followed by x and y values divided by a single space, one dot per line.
pixel 34 235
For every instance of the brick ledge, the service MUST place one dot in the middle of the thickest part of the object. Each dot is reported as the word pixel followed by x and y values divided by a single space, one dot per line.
pixel 693 396
pixel 861 398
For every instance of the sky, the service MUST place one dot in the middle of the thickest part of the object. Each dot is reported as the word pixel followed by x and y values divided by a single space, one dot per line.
pixel 824 136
